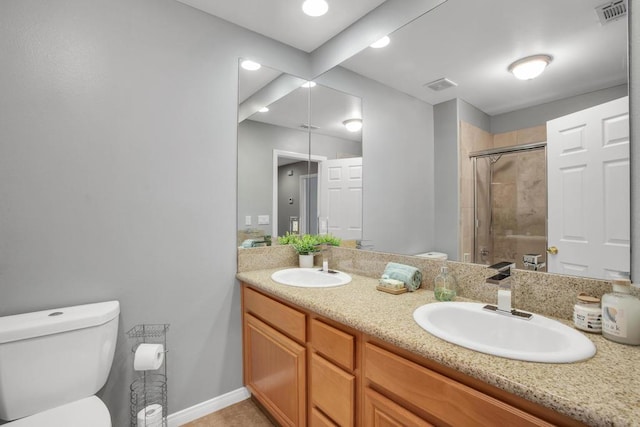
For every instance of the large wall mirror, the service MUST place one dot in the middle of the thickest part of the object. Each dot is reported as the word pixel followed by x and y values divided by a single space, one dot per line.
pixel 299 157
pixel 428 152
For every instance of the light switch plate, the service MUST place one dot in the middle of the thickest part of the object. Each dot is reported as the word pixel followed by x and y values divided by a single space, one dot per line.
pixel 263 219
pixel 247 220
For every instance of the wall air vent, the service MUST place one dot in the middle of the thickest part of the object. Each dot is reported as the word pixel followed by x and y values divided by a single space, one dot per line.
pixel 613 11
pixel 440 84
pixel 311 127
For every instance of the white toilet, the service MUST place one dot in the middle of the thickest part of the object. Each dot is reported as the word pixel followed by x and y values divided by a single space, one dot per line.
pixel 52 363
pixel 433 255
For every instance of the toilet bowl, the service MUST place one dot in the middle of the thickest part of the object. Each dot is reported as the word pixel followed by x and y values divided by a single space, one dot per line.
pixel 52 362
pixel 87 412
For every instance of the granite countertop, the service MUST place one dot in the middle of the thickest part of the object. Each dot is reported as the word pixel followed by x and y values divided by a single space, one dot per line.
pixel 602 391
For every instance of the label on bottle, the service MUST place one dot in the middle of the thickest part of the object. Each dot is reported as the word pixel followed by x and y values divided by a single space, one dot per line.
pixel 614 321
pixel 587 318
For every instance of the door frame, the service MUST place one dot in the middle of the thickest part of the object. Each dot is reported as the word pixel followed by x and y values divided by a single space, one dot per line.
pixel 274 200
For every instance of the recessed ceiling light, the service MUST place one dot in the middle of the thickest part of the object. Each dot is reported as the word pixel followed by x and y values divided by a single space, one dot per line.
pixel 309 84
pixel 381 43
pixel 315 7
pixel 250 65
pixel 530 67
pixel 353 125
pixel 263 110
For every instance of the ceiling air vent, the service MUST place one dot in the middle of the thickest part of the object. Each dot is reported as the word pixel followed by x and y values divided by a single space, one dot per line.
pixel 440 84
pixel 613 11
pixel 311 127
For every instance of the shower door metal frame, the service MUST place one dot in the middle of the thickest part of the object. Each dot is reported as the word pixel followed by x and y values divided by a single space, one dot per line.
pixel 488 153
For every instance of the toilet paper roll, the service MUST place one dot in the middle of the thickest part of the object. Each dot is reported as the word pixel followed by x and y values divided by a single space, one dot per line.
pixel 150 416
pixel 148 357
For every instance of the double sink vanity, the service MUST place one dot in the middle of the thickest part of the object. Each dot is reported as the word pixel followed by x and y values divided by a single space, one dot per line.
pixel 348 354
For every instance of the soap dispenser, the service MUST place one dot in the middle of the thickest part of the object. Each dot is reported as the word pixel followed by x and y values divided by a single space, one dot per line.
pixel 445 286
pixel 621 314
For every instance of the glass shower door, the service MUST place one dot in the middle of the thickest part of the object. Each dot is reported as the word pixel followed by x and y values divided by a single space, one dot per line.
pixel 510 206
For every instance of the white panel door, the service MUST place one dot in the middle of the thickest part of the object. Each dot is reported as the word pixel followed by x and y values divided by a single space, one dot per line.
pixel 341 197
pixel 589 193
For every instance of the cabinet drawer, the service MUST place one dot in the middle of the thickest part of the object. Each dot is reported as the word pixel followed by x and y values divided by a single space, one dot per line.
pixel 333 391
pixel 442 398
pixel 334 344
pixel 382 412
pixel 289 321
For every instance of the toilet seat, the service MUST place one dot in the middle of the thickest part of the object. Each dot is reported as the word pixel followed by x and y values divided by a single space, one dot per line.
pixel 90 411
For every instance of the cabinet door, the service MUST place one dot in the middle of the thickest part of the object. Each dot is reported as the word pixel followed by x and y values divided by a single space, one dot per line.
pixel 333 391
pixel 319 420
pixel 275 372
pixel 382 412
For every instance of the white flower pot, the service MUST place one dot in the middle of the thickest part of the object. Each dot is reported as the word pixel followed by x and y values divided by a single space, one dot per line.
pixel 306 261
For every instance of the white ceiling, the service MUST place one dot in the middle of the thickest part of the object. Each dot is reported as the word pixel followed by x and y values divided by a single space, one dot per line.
pixel 468 41
pixel 473 42
pixel 283 20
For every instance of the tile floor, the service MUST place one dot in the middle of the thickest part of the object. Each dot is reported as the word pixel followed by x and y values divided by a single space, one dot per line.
pixel 242 414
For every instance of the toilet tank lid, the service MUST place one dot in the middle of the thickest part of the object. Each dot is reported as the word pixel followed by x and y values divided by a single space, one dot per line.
pixel 46 322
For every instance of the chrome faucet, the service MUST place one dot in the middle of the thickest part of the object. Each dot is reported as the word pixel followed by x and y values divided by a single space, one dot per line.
pixel 532 262
pixel 503 280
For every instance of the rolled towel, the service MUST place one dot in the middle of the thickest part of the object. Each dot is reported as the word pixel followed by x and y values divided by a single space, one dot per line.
pixel 411 276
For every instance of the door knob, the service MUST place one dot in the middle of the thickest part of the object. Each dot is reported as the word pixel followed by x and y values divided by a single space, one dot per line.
pixel 552 250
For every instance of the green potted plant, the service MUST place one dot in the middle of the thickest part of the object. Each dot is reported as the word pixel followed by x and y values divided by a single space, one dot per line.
pixel 328 239
pixel 306 246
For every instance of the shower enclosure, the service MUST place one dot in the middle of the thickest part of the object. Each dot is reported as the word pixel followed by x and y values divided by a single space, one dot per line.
pixel 510 204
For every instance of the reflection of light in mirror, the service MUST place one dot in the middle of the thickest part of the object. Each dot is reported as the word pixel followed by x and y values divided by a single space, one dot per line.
pixel 263 110
pixel 353 125
pixel 309 84
pixel 381 43
pixel 315 7
pixel 530 67
pixel 250 65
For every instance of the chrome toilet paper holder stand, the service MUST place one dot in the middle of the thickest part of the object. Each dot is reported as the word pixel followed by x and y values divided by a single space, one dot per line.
pixel 149 388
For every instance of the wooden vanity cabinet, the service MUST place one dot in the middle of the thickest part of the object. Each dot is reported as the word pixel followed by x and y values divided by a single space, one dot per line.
pixel 309 370
pixel 274 357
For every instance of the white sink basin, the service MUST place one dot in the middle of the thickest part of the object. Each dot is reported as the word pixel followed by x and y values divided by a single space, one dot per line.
pixel 310 277
pixel 539 339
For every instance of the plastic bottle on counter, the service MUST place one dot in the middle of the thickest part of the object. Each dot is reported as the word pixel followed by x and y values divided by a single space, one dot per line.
pixel 621 314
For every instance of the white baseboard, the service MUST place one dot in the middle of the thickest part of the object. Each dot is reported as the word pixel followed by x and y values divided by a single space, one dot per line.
pixel 207 407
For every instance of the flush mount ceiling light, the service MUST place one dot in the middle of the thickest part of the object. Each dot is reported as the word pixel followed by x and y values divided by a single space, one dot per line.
pixel 263 110
pixel 381 43
pixel 250 65
pixel 309 84
pixel 315 7
pixel 530 67
pixel 353 125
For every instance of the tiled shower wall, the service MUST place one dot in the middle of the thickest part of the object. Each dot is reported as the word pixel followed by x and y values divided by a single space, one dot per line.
pixel 520 187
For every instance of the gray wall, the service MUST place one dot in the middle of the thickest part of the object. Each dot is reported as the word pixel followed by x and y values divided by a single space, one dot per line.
pixel 446 173
pixel 118 175
pixel 473 115
pixel 540 114
pixel 398 162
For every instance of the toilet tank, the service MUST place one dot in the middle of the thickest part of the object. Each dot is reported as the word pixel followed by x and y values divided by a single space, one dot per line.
pixel 52 357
